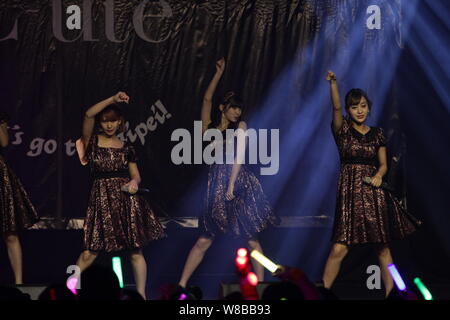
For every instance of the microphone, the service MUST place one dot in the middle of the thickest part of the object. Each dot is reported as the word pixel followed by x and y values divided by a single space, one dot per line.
pixel 384 185
pixel 140 190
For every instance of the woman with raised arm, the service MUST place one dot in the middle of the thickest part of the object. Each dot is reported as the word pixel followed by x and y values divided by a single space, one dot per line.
pixel 116 218
pixel 235 203
pixel 365 213
pixel 16 210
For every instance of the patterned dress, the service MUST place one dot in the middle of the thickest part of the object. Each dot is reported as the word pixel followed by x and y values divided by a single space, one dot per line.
pixel 246 215
pixel 116 220
pixel 16 210
pixel 365 214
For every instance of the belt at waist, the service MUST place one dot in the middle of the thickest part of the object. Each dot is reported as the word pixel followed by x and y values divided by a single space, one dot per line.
pixel 110 174
pixel 370 162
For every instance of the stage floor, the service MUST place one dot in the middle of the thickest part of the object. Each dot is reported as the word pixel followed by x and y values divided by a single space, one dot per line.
pixel 48 252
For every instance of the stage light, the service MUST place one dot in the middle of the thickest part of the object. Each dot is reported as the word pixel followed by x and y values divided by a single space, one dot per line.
pixel 265 262
pixel 423 289
pixel 117 267
pixel 242 252
pixel 397 278
pixel 71 284
pixel 252 278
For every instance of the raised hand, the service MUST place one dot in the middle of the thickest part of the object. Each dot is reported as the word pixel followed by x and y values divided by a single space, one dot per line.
pixel 121 97
pixel 220 65
pixel 330 76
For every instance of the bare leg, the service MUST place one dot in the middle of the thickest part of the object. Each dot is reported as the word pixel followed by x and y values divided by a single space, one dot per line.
pixel 259 269
pixel 139 271
pixel 86 259
pixel 195 257
pixel 15 256
pixel 333 265
pixel 385 258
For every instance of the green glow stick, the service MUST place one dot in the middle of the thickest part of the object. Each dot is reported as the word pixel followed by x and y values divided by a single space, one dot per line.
pixel 117 267
pixel 423 289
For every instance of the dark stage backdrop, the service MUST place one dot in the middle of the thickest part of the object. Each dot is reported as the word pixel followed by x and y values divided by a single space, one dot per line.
pixel 163 53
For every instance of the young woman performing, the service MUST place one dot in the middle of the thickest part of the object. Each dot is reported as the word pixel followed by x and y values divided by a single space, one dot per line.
pixel 116 218
pixel 16 210
pixel 235 203
pixel 365 213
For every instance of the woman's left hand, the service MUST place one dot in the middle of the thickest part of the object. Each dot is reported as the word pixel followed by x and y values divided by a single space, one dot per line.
pixel 229 195
pixel 376 181
pixel 132 187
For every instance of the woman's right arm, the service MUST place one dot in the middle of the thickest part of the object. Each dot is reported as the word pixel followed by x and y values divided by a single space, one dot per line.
pixel 338 119
pixel 207 98
pixel 4 134
pixel 89 116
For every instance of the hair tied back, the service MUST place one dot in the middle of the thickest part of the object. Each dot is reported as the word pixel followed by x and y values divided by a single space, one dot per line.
pixel 228 96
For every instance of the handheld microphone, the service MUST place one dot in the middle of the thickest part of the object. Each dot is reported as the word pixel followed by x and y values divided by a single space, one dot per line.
pixel 384 185
pixel 140 190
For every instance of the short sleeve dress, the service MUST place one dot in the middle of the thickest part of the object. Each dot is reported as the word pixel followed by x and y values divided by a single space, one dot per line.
pixel 365 214
pixel 116 220
pixel 17 213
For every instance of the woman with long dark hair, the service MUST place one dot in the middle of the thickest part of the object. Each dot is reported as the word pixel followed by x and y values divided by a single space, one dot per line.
pixel 365 213
pixel 16 210
pixel 117 218
pixel 235 203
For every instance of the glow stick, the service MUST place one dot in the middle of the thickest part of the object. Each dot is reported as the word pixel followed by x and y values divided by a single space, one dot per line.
pixel 71 284
pixel 117 267
pixel 265 262
pixel 241 263
pixel 397 278
pixel 423 289
pixel 252 278
pixel 183 296
pixel 242 252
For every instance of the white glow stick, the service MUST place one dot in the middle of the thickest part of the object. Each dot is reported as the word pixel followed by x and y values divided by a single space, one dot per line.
pixel 269 265
pixel 397 277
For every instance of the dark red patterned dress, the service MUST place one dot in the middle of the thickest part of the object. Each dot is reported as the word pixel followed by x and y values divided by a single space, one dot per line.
pixel 365 214
pixel 16 210
pixel 246 215
pixel 116 220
